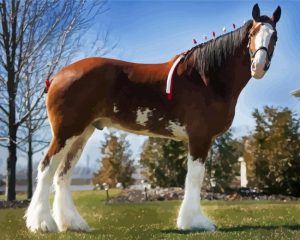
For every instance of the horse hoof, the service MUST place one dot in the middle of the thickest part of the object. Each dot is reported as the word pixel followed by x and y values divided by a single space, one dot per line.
pixel 41 223
pixel 198 222
pixel 75 224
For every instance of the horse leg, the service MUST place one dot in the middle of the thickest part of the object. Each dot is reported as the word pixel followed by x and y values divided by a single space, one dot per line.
pixel 38 215
pixel 190 216
pixel 64 211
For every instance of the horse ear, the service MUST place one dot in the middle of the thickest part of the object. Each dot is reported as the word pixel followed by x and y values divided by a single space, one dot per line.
pixel 277 14
pixel 256 12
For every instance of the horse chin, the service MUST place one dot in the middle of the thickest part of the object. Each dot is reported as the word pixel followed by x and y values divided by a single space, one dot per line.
pixel 257 75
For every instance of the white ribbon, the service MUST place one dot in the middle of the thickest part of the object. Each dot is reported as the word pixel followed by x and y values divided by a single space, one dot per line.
pixel 170 75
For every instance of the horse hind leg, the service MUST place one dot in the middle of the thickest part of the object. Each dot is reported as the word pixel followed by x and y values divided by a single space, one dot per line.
pixel 38 215
pixel 64 211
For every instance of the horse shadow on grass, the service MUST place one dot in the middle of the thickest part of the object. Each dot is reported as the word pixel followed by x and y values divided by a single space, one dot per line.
pixel 295 227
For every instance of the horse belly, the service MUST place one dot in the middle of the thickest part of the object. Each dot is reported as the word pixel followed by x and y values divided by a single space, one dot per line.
pixel 147 127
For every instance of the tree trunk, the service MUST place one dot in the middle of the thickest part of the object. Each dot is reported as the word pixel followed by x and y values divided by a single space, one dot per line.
pixel 11 169
pixel 29 170
pixel 12 147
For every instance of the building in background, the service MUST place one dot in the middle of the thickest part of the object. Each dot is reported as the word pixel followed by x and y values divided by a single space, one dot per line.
pixel 296 93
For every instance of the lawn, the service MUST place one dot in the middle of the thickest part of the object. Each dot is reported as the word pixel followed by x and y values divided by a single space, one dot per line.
pixel 156 220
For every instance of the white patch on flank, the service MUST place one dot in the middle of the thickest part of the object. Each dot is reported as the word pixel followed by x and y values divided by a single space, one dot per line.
pixel 262 39
pixel 116 108
pixel 38 215
pixel 190 216
pixel 177 129
pixel 142 116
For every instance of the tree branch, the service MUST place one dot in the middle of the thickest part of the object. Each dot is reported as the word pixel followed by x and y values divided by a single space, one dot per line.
pixel 23 119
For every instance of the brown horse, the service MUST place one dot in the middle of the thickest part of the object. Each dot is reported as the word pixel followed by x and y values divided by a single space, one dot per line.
pixel 98 92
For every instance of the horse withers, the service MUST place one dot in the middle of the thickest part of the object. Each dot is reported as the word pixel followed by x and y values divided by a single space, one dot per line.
pixel 99 92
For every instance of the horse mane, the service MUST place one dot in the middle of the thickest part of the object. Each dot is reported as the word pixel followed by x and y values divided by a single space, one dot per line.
pixel 208 57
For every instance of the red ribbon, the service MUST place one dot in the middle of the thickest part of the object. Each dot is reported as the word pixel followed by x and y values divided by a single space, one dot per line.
pixel 47 83
pixel 233 25
pixel 194 40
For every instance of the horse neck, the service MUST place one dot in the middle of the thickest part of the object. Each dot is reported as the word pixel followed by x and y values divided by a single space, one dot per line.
pixel 236 71
pixel 229 78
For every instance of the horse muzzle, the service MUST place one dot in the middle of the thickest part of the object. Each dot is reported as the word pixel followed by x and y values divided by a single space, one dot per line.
pixel 258 70
pixel 260 62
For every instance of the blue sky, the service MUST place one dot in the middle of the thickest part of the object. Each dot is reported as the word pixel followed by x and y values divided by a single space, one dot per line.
pixel 154 31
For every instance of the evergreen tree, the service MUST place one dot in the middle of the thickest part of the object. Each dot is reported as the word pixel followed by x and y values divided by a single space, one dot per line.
pixel 222 164
pixel 276 150
pixel 117 164
pixel 164 161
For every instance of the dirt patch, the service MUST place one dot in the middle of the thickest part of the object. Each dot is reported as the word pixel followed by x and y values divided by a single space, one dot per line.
pixel 14 204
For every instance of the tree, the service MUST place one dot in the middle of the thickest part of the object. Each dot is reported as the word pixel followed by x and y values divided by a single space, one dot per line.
pixel 164 161
pixel 117 164
pixel 222 165
pixel 33 130
pixel 40 34
pixel 276 148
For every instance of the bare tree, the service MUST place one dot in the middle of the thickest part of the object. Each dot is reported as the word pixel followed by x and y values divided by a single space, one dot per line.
pixel 36 38
pixel 35 138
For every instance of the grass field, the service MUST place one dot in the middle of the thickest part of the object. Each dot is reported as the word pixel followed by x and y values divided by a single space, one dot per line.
pixel 156 220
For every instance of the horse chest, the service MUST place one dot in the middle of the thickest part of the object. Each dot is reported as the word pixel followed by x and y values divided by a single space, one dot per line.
pixel 221 119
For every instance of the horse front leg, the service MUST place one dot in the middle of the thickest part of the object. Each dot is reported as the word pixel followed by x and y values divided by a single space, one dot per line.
pixel 190 215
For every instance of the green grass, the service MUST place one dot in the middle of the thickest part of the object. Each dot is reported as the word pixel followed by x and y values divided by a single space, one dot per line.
pixel 156 220
pixel 21 196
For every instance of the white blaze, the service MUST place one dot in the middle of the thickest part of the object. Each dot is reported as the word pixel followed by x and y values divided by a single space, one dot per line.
pixel 262 39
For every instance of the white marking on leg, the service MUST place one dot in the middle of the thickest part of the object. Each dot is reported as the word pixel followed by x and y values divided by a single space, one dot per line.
pixel 142 115
pixel 64 211
pixel 190 215
pixel 38 215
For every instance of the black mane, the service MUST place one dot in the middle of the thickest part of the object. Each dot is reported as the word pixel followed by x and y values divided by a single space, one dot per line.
pixel 209 56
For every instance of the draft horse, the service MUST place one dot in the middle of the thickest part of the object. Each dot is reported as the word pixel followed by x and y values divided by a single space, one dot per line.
pixel 100 92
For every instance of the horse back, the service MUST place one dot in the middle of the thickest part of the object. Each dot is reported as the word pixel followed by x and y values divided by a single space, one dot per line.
pixel 120 94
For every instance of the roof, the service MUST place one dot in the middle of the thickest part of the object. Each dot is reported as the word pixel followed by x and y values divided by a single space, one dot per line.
pixel 296 93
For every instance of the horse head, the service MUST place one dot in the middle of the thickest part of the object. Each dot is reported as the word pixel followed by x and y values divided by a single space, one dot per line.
pixel 262 41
